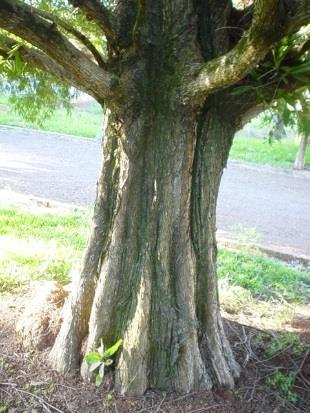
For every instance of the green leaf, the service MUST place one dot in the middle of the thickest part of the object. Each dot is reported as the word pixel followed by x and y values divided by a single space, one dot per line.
pixel 101 370
pixel 108 362
pixel 98 380
pixel 18 62
pixel 95 365
pixel 303 68
pixel 301 78
pixel 241 89
pixel 92 357
pixel 113 349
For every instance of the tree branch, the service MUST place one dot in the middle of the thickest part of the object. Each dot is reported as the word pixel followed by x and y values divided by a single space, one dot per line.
pixel 272 19
pixel 249 104
pixel 78 35
pixel 42 62
pixel 21 20
pixel 98 13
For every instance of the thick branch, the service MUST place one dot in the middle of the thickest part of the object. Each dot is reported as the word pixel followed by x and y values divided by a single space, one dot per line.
pixel 94 10
pixel 42 62
pixel 20 19
pixel 249 104
pixel 78 35
pixel 272 20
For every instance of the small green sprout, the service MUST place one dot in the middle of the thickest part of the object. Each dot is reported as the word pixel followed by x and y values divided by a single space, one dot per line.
pixel 101 359
pixel 284 384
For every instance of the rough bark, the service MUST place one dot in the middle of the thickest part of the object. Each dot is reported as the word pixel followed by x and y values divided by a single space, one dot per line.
pixel 156 286
pixel 214 138
pixel 65 355
pixel 149 271
pixel 299 163
pixel 272 19
pixel 150 265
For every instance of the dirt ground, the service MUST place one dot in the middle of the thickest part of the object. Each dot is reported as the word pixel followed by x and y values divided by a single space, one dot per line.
pixel 27 384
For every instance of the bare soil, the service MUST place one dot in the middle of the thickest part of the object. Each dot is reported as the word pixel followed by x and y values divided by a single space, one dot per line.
pixel 27 384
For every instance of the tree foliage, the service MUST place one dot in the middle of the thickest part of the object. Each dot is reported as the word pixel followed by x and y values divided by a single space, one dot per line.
pixel 34 94
pixel 274 80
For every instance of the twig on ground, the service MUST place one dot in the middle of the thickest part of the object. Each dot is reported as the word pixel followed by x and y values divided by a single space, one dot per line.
pixel 205 409
pixel 275 354
pixel 40 399
pixel 185 396
pixel 66 387
pixel 160 404
pixel 254 385
pixel 47 406
pixel 299 370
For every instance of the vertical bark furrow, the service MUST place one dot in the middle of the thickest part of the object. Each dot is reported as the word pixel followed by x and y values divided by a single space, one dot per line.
pixel 65 355
pixel 157 285
pixel 119 270
pixel 119 301
pixel 214 137
pixel 132 374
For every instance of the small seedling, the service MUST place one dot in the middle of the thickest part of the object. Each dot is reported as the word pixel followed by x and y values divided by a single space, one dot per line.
pixel 284 384
pixel 109 401
pixel 285 341
pixel 3 408
pixel 100 359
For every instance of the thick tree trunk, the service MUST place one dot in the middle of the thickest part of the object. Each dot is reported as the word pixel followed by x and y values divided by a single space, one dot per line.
pixel 149 272
pixel 299 163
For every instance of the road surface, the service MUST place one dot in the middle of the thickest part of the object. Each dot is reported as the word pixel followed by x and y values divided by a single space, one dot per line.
pixel 275 203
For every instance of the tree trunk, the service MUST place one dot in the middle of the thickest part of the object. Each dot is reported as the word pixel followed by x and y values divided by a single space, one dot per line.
pixel 149 272
pixel 299 163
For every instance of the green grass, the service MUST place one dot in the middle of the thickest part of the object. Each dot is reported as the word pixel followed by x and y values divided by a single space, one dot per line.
pixel 68 230
pixel 14 273
pixel 259 151
pixel 40 247
pixel 83 121
pixel 264 277
pixel 49 247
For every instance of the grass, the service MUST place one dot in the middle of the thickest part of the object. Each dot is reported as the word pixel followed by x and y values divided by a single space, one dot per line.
pixel 265 277
pixel 67 230
pixel 259 151
pixel 83 121
pixel 40 247
pixel 45 246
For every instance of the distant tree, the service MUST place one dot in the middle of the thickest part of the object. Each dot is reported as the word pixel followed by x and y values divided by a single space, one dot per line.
pixel 294 112
pixel 176 78
pixel 299 163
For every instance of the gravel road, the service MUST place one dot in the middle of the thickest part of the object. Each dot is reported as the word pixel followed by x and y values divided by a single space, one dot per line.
pixel 61 168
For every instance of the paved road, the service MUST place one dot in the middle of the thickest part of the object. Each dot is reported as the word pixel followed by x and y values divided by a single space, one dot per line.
pixel 51 166
pixel 276 203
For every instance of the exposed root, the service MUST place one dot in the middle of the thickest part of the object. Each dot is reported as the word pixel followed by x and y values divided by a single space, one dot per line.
pixel 132 367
